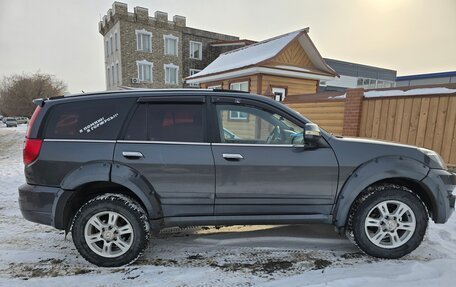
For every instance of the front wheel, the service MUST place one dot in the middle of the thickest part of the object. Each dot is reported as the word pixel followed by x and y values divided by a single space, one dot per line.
pixel 110 230
pixel 388 221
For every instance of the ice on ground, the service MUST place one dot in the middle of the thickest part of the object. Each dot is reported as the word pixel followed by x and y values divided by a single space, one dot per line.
pixel 287 255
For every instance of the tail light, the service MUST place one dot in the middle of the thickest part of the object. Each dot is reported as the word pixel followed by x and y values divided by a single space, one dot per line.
pixel 32 147
pixel 32 121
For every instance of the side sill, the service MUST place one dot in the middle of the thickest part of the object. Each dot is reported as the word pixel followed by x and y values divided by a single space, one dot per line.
pixel 246 219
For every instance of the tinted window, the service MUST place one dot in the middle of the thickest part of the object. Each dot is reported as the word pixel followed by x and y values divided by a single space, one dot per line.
pixel 137 128
pixel 92 119
pixel 176 122
pixel 257 126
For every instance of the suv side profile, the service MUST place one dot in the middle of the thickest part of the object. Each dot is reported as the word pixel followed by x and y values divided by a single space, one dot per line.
pixel 114 167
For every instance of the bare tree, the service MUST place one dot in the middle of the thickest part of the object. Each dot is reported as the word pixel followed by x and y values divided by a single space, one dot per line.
pixel 18 91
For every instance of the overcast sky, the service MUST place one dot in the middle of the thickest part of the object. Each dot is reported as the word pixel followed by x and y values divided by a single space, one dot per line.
pixel 61 37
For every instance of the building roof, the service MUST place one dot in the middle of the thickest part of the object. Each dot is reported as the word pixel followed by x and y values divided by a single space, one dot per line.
pixel 427 76
pixel 258 53
pixel 241 42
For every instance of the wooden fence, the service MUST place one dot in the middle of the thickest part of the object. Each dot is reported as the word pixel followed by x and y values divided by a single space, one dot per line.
pixel 426 121
pixel 422 120
pixel 327 113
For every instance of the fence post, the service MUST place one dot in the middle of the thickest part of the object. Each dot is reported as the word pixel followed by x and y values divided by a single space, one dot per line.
pixel 352 113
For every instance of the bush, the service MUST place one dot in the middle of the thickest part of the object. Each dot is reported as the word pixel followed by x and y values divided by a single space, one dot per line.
pixel 18 91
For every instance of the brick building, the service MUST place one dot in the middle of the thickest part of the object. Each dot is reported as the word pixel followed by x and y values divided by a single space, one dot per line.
pixel 153 52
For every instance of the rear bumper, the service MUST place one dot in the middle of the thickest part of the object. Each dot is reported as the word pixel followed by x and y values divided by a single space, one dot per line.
pixel 442 184
pixel 44 204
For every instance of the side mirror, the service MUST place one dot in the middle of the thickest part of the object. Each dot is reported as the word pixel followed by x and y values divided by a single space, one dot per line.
pixel 312 134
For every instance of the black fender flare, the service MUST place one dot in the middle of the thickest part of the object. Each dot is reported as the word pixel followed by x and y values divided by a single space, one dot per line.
pixel 388 167
pixel 105 172
pixel 89 172
pixel 140 186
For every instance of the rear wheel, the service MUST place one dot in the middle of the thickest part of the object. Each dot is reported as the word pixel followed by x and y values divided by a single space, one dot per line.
pixel 388 221
pixel 110 230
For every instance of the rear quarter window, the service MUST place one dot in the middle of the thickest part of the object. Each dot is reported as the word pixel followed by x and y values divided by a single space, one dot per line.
pixel 90 120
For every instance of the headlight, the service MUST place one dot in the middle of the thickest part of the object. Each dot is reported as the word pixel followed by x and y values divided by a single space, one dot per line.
pixel 434 156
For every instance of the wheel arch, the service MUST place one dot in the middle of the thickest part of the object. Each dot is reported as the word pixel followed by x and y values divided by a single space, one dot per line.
pixel 393 170
pixel 121 179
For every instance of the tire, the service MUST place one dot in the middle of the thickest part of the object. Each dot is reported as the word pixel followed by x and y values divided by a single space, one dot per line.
pixel 110 230
pixel 388 221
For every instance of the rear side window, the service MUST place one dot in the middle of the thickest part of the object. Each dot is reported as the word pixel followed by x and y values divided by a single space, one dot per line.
pixel 92 119
pixel 167 122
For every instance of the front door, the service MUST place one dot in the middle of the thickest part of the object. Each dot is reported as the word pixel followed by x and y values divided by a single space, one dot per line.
pixel 166 143
pixel 261 170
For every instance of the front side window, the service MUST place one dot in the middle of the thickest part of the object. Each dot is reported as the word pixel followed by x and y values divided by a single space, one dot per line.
pixel 145 71
pixel 258 126
pixel 196 50
pixel 171 74
pixel 143 40
pixel 170 45
pixel 167 122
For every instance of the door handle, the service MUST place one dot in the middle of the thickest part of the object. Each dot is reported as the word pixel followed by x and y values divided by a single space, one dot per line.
pixel 132 154
pixel 232 156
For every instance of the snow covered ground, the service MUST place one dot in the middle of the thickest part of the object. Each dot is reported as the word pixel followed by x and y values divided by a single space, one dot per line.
pixel 295 255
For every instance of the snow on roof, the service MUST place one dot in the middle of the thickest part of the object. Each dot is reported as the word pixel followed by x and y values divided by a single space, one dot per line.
pixel 248 55
pixel 399 93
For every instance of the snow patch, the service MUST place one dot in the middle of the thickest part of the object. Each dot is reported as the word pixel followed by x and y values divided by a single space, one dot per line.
pixel 412 92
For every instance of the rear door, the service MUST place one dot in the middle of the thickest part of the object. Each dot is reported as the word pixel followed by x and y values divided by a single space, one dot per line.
pixel 259 167
pixel 166 142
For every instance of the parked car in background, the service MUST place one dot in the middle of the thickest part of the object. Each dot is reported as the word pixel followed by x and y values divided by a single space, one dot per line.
pixel 22 120
pixel 10 122
pixel 111 167
pixel 1 117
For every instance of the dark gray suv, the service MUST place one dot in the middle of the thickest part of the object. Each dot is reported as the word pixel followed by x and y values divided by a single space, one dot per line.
pixel 114 167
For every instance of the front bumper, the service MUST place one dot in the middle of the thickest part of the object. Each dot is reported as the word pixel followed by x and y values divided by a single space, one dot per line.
pixel 442 185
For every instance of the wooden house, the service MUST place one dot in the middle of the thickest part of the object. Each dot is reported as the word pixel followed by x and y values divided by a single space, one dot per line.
pixel 282 66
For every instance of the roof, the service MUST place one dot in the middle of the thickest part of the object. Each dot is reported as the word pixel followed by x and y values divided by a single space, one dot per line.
pixel 241 42
pixel 427 76
pixel 255 54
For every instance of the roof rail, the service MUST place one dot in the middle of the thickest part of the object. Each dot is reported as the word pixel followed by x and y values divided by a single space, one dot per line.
pixel 230 91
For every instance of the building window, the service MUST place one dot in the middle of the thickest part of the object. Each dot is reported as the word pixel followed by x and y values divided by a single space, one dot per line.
pixel 113 75
pixel 108 76
pixel 170 44
pixel 193 72
pixel 145 71
pixel 117 73
pixel 196 50
pixel 107 48
pixel 215 87
pixel 373 83
pixel 171 74
pixel 111 45
pixel 240 86
pixel 116 40
pixel 143 41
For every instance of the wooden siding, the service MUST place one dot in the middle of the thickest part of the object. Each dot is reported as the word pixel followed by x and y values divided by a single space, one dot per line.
pixel 293 55
pixel 327 114
pixel 426 121
pixel 294 86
